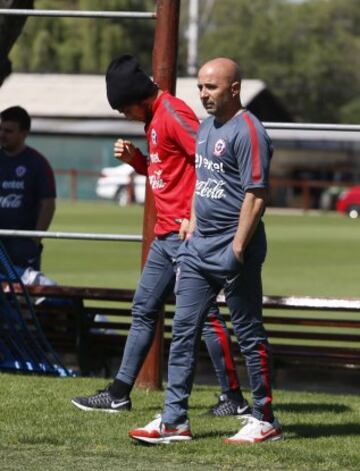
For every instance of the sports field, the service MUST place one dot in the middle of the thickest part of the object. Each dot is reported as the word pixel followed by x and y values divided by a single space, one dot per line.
pixel 315 255
pixel 41 430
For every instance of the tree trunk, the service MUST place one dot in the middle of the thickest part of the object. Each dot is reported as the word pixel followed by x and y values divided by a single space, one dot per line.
pixel 10 29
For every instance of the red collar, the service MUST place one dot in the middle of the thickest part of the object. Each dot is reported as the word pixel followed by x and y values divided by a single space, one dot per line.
pixel 155 105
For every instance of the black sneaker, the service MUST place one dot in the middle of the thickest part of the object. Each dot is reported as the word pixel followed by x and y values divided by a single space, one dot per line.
pixel 227 406
pixel 103 401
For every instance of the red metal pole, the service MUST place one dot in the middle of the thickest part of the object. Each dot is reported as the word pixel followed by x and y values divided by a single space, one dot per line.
pixel 164 72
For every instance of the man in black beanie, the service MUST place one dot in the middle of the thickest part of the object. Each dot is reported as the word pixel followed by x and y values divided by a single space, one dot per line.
pixel 127 83
pixel 171 128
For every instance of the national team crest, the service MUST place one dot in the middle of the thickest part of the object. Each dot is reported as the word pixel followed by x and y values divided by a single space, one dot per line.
pixel 153 136
pixel 20 171
pixel 220 147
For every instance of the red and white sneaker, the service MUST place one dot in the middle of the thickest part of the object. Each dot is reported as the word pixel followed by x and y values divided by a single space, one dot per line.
pixel 256 431
pixel 156 432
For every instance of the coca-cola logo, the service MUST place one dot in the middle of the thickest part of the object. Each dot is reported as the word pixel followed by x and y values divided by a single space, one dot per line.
pixel 11 201
pixel 210 188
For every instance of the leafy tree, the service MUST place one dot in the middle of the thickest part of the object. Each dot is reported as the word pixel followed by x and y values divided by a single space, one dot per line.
pixel 10 29
pixel 83 45
pixel 43 52
pixel 350 112
pixel 307 53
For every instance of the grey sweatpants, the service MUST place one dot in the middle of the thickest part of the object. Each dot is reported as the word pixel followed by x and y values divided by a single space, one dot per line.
pixel 207 264
pixel 156 283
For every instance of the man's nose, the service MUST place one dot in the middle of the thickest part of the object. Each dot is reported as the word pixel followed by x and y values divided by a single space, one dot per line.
pixel 203 93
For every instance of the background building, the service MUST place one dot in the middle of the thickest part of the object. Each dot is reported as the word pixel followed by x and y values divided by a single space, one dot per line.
pixel 74 127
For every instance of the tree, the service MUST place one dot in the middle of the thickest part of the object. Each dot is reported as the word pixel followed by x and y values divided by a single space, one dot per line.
pixel 10 29
pixel 43 53
pixel 307 53
pixel 84 45
pixel 350 112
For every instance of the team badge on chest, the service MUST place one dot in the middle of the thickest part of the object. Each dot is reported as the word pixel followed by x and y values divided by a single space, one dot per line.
pixel 153 136
pixel 219 148
pixel 20 171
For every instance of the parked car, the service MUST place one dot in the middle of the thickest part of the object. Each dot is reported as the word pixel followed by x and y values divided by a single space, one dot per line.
pixel 121 184
pixel 349 202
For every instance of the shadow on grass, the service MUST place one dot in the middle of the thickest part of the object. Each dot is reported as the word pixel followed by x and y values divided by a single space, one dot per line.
pixel 315 407
pixel 293 432
pixel 321 430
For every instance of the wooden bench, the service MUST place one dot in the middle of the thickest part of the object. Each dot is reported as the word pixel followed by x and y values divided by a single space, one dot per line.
pixel 91 324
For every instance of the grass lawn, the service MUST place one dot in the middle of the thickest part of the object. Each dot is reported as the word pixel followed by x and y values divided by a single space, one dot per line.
pixel 94 263
pixel 312 255
pixel 41 430
pixel 307 255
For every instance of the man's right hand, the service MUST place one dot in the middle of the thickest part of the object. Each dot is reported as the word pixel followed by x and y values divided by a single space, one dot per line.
pixel 124 150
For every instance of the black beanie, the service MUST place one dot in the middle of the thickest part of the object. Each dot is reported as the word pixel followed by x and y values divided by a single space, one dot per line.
pixel 126 82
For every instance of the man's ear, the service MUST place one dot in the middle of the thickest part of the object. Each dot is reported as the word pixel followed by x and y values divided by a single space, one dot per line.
pixel 235 88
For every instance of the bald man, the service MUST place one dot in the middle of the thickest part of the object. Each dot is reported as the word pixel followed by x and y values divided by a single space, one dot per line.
pixel 227 250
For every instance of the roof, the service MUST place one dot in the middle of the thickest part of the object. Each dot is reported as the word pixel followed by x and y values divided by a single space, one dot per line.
pixel 83 96
pixel 77 104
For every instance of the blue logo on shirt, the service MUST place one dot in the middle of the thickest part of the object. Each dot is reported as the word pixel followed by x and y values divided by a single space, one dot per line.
pixel 20 171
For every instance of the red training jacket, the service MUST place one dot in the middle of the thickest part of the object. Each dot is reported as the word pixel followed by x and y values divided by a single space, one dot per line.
pixel 170 164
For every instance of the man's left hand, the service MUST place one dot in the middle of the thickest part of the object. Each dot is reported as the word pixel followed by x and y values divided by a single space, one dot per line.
pixel 239 254
pixel 184 229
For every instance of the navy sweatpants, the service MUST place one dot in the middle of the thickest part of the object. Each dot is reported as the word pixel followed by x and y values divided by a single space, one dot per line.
pixel 156 283
pixel 23 252
pixel 207 264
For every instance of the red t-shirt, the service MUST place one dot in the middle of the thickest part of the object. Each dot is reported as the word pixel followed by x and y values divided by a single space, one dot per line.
pixel 170 164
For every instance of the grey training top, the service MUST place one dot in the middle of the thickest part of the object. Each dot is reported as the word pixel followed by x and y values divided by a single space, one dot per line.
pixel 231 158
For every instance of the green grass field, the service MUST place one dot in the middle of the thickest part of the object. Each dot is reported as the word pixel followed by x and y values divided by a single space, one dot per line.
pixel 88 263
pixel 41 430
pixel 315 255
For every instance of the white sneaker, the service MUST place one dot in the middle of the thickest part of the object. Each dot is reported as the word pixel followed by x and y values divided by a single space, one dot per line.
pixel 256 431
pixel 156 432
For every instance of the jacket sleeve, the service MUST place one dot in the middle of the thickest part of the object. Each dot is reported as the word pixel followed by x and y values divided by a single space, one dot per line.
pixel 139 162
